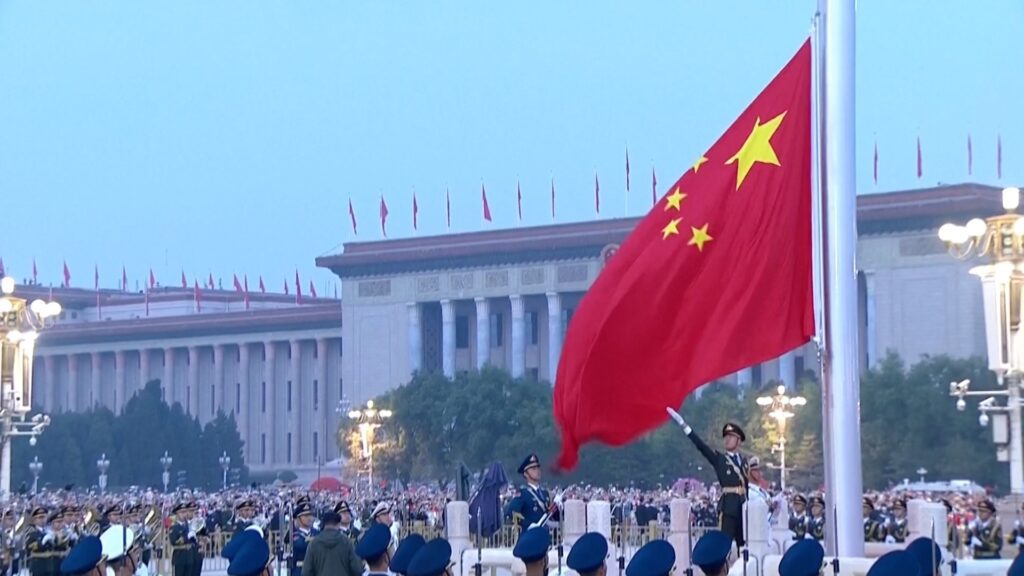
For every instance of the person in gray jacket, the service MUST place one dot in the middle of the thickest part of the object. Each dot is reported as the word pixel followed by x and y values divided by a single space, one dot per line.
pixel 331 553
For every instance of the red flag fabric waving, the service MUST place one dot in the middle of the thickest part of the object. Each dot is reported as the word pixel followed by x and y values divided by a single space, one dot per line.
pixel 298 288
pixel 312 289
pixel 383 216
pixel 236 283
pixel 920 163
pixel 352 216
pixel 263 287
pixel 487 207
pixel 67 275
pixel 415 212
pixel 184 281
pixel 668 312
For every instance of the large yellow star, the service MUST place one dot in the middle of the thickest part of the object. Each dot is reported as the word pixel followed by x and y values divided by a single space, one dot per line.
pixel 698 163
pixel 757 148
pixel 671 229
pixel 700 237
pixel 673 199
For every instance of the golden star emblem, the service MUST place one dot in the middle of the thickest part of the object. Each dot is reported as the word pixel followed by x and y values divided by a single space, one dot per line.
pixel 700 237
pixel 671 228
pixel 757 148
pixel 700 161
pixel 673 199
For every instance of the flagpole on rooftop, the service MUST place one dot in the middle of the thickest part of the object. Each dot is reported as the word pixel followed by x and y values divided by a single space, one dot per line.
pixel 840 356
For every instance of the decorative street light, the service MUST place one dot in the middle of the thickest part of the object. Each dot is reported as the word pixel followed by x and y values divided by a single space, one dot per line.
pixel 779 409
pixel 20 324
pixel 225 463
pixel 922 472
pixel 166 462
pixel 998 241
pixel 369 420
pixel 102 465
pixel 36 467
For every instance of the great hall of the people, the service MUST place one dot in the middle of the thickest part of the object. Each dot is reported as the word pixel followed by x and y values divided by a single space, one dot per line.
pixel 453 303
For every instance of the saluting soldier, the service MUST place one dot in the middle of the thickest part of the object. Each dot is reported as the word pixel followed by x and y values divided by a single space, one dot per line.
pixel 182 540
pixel 816 523
pixel 873 530
pixel 731 468
pixel 346 526
pixel 532 503
pixel 986 533
pixel 303 533
pixel 798 520
pixel 37 551
pixel 896 529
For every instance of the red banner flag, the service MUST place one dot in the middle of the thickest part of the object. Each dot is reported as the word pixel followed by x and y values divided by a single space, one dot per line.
pixel 312 289
pixel 415 212
pixel 263 287
pixel 876 163
pixel 627 169
pixel 920 163
pixel 124 279
pixel 245 288
pixel 383 217
pixel 298 289
pixel 970 155
pixel 35 272
pixel 286 287
pixel 448 207
pixel 210 283
pixel 487 207
pixel 654 187
pixel 152 279
pixel 519 201
pixel 597 195
pixel 197 295
pixel 668 311
pixel 184 281
pixel 352 216
pixel 552 199
pixel 236 283
pixel 67 275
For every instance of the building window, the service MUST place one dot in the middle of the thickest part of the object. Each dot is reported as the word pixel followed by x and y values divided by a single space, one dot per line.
pixel 263 397
pixel 497 330
pixel 238 397
pixel 532 329
pixel 461 332
pixel 263 448
pixel 316 446
pixel 289 451
pixel 289 395
pixel 316 395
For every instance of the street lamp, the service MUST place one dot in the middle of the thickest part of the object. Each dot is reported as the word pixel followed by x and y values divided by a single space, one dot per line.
pixel 369 419
pixel 166 462
pixel 36 467
pixel 225 463
pixel 102 465
pixel 922 471
pixel 998 241
pixel 779 408
pixel 20 324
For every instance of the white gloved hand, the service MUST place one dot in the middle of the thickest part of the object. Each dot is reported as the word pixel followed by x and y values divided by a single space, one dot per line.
pixel 975 542
pixel 191 535
pixel 808 536
pixel 889 539
pixel 47 539
pixel 1020 540
pixel 679 420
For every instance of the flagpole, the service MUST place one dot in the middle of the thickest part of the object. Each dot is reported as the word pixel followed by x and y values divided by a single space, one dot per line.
pixel 840 357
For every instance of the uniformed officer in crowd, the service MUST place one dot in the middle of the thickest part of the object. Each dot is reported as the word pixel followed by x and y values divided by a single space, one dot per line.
pixel 873 530
pixel 804 558
pixel 407 548
pixel 60 540
pixel 896 528
pixel 710 553
pixel 532 505
pixel 731 470
pixel 37 553
pixel 84 559
pixel 589 555
pixel 532 548
pixel 184 543
pixel 798 518
pixel 245 512
pixel 986 535
pixel 111 515
pixel 346 527
pixel 375 549
pixel 301 536
pixel 816 522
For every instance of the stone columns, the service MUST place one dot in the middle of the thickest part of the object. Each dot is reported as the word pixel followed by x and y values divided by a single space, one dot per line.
pixel 574 515
pixel 483 333
pixel 679 529
pixel 554 332
pixel 870 320
pixel 787 369
pixel 144 368
pixel 269 418
pixel 448 338
pixel 193 381
pixel 170 390
pixel 327 402
pixel 95 398
pixel 298 415
pixel 518 337
pixel 245 402
pixel 120 381
pixel 415 338
pixel 72 405
pixel 50 384
pixel 218 379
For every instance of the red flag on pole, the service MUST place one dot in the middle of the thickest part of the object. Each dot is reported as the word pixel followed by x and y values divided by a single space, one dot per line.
pixel 35 272
pixel 415 212
pixel 552 199
pixel 668 311
pixel 352 216
pixel 487 207
pixel 627 169
pixel 970 155
pixel 184 281
pixel 597 195
pixel 999 167
pixel 263 288
pixel 920 164
pixel 198 296
pixel 654 187
pixel 448 207
pixel 298 288
pixel 210 283
pixel 67 275
pixel 519 201
pixel 245 287
pixel 152 279
pixel 876 163
pixel 236 283
pixel 383 216
pixel 286 287
pixel 312 289
pixel 124 279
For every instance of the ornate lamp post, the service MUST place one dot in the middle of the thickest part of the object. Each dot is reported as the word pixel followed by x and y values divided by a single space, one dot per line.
pixel 779 409
pixel 20 324
pixel 102 465
pixel 166 462
pixel 225 463
pixel 922 472
pixel 998 242
pixel 36 467
pixel 369 419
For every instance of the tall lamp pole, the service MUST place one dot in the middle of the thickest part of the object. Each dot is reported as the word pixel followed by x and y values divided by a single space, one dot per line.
pixel 20 324
pixel 369 420
pixel 225 463
pixel 36 467
pixel 998 241
pixel 780 408
pixel 102 465
pixel 166 462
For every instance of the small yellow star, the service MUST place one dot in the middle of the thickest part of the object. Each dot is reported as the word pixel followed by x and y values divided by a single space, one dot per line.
pixel 757 148
pixel 700 237
pixel 673 199
pixel 671 229
pixel 700 161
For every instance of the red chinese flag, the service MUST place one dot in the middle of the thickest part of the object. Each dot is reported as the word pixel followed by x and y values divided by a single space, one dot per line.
pixel 124 279
pixel 352 216
pixel 236 283
pixel 263 287
pixel 383 216
pixel 487 207
pixel 298 288
pixel 67 275
pixel 184 281
pixel 415 212
pixel 716 277
pixel 312 289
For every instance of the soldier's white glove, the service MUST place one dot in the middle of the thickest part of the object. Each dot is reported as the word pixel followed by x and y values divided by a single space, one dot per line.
pixel 889 539
pixel 679 420
pixel 47 539
pixel 975 542
pixel 1020 540
pixel 191 535
pixel 808 536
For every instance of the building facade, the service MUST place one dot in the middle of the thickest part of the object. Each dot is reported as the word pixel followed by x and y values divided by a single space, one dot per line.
pixel 273 364
pixel 457 302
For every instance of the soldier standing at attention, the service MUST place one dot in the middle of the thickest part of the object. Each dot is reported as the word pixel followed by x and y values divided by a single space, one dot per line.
pixel 816 523
pixel 873 530
pixel 532 502
pixel 304 532
pixel 986 533
pixel 798 521
pixel 730 468
pixel 182 541
pixel 897 528
pixel 37 551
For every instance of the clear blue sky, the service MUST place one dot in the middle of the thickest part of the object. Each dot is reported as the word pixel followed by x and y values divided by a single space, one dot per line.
pixel 227 136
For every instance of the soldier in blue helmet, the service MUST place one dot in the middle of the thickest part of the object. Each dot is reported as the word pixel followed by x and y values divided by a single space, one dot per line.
pixel 374 549
pixel 656 558
pixel 805 558
pixel 588 555
pixel 85 559
pixel 533 505
pixel 928 555
pixel 252 557
pixel 711 553
pixel 407 548
pixel 532 549
pixel 898 563
pixel 433 559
